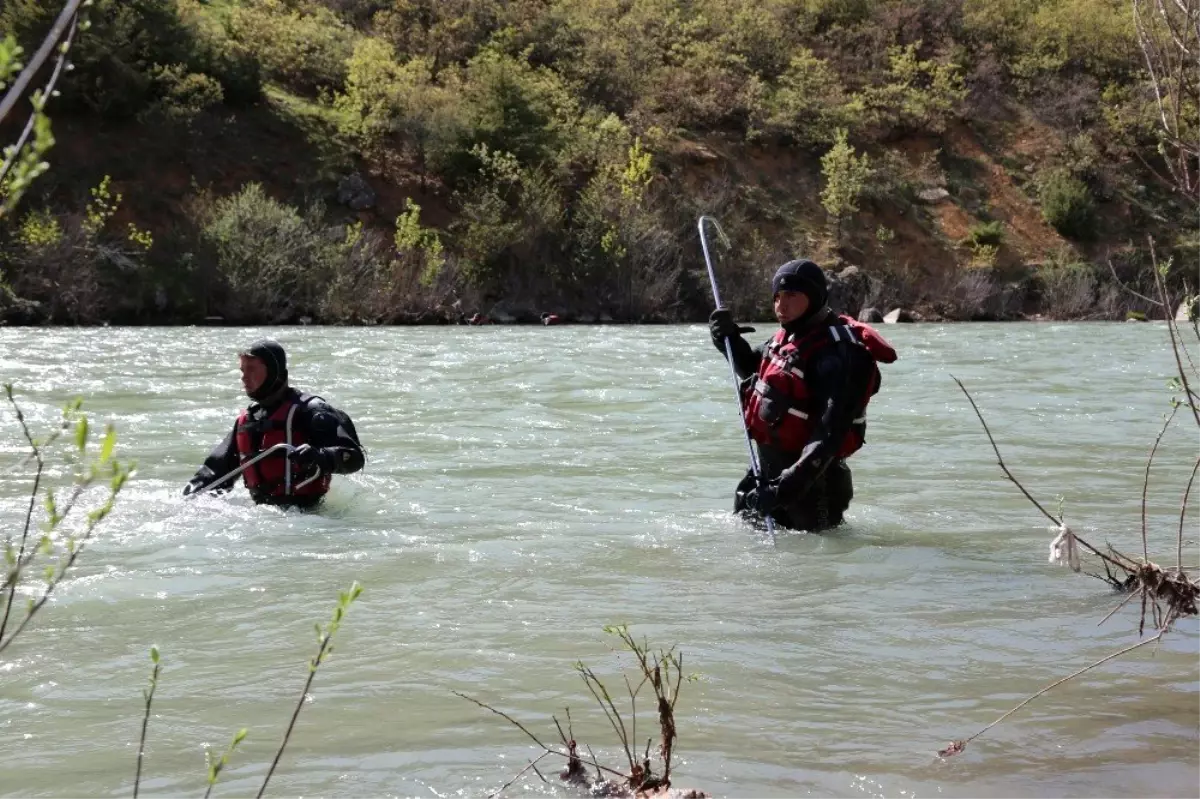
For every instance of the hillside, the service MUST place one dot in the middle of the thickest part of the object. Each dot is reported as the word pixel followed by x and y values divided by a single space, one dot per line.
pixel 383 161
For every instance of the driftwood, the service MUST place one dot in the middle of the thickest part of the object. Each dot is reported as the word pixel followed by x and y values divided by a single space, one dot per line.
pixel 1166 593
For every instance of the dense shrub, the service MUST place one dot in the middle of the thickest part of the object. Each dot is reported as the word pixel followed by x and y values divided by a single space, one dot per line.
pixel 119 62
pixel 1067 204
pixel 274 260
pixel 303 50
pixel 986 234
pixel 807 104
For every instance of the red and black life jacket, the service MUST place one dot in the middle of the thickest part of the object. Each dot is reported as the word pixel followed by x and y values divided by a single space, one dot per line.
pixel 275 475
pixel 778 406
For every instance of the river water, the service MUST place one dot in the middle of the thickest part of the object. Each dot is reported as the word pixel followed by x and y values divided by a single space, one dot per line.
pixel 526 487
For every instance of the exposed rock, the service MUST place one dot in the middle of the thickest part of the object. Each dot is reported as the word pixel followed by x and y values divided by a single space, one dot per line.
pixel 898 316
pixel 17 311
pixel 354 191
pixel 604 319
pixel 850 289
pixel 1188 312
pixel 695 152
pixel 1005 302
pixel 870 315
pixel 932 196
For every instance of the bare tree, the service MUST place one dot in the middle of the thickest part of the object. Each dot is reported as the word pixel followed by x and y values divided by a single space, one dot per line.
pixel 1169 35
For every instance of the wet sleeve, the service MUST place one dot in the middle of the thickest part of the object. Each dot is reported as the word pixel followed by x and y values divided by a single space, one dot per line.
pixel 839 379
pixel 332 431
pixel 222 460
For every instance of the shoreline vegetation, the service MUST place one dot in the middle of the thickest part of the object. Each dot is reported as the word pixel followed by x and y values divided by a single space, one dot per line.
pixel 361 162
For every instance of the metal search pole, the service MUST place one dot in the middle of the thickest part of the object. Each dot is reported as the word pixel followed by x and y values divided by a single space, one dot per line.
pixel 737 387
pixel 268 451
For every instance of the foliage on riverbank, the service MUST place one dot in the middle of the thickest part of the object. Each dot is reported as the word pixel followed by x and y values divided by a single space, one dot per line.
pixel 381 161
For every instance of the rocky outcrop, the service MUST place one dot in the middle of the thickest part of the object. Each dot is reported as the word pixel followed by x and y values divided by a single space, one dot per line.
pixel 850 290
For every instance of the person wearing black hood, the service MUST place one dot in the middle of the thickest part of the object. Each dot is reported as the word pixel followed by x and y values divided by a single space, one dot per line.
pixel 804 398
pixel 324 439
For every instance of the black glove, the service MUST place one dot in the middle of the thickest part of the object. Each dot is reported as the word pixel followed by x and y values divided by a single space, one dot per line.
pixel 721 326
pixel 199 483
pixel 764 498
pixel 310 458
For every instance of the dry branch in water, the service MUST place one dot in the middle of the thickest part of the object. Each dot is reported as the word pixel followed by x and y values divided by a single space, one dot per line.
pixel 1166 594
pixel 663 672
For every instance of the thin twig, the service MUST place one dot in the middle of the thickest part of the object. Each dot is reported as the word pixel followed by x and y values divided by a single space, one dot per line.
pixel 312 673
pixel 532 764
pixel 1126 287
pixel 1000 459
pixel 561 734
pixel 62 573
pixel 1146 481
pixel 533 737
pixel 1182 514
pixel 1017 483
pixel 633 692
pixel 512 721
pixel 146 722
pixel 65 17
pixel 614 718
pixel 1120 605
pixel 1162 289
pixel 46 94
pixel 1057 683
pixel 10 581
pixel 595 762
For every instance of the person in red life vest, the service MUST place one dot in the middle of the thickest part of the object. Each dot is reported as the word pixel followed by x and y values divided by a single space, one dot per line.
pixel 804 400
pixel 324 438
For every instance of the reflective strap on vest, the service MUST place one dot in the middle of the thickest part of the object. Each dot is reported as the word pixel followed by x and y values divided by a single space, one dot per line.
pixel 764 390
pixel 287 456
pixel 786 365
pixel 847 332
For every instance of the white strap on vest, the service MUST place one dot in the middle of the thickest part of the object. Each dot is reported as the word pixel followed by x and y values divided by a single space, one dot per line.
pixel 846 331
pixel 785 366
pixel 287 459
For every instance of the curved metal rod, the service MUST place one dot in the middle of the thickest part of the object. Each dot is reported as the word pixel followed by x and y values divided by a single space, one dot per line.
pixel 220 480
pixel 737 385
pixel 305 482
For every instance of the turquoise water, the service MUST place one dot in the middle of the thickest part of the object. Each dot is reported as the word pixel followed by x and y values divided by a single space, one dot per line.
pixel 526 487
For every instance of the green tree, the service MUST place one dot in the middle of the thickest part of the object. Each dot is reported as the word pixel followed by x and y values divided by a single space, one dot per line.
pixel 846 176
